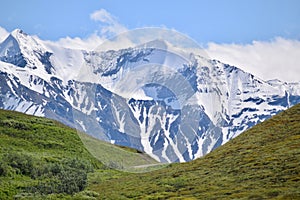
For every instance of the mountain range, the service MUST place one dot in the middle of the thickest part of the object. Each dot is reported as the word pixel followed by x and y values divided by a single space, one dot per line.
pixel 174 106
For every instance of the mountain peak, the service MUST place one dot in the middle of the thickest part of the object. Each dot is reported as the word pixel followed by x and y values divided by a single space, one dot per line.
pixel 12 41
pixel 23 50
pixel 15 33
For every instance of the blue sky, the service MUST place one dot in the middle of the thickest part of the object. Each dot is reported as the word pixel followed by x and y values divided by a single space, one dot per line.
pixel 219 21
pixel 259 36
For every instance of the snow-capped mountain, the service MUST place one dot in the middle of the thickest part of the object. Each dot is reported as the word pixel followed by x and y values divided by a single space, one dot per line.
pixel 174 107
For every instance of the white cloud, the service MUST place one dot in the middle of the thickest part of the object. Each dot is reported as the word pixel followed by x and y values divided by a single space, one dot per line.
pixel 103 16
pixel 276 59
pixel 89 43
pixel 3 34
pixel 121 41
pixel 110 22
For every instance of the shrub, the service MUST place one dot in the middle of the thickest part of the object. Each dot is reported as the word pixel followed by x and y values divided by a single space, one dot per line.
pixel 22 163
pixel 79 164
pixel 68 176
pixel 3 169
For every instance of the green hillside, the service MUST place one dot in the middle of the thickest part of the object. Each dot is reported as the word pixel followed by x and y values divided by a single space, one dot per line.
pixel 118 157
pixel 41 158
pixel 262 163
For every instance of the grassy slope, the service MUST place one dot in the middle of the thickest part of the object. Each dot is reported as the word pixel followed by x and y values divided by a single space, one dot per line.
pixel 118 157
pixel 262 163
pixel 46 141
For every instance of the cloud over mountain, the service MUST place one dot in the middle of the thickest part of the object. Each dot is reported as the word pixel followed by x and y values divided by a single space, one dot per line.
pixel 275 59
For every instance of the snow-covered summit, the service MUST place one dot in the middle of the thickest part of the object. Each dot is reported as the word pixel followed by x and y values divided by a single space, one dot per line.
pixel 17 32
pixel 25 51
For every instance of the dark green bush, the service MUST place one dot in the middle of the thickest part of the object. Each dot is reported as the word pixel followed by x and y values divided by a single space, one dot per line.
pixel 3 169
pixel 79 164
pixel 68 176
pixel 21 163
pixel 72 180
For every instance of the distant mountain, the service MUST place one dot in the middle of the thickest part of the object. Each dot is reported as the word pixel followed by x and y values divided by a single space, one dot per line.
pixel 261 163
pixel 175 108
